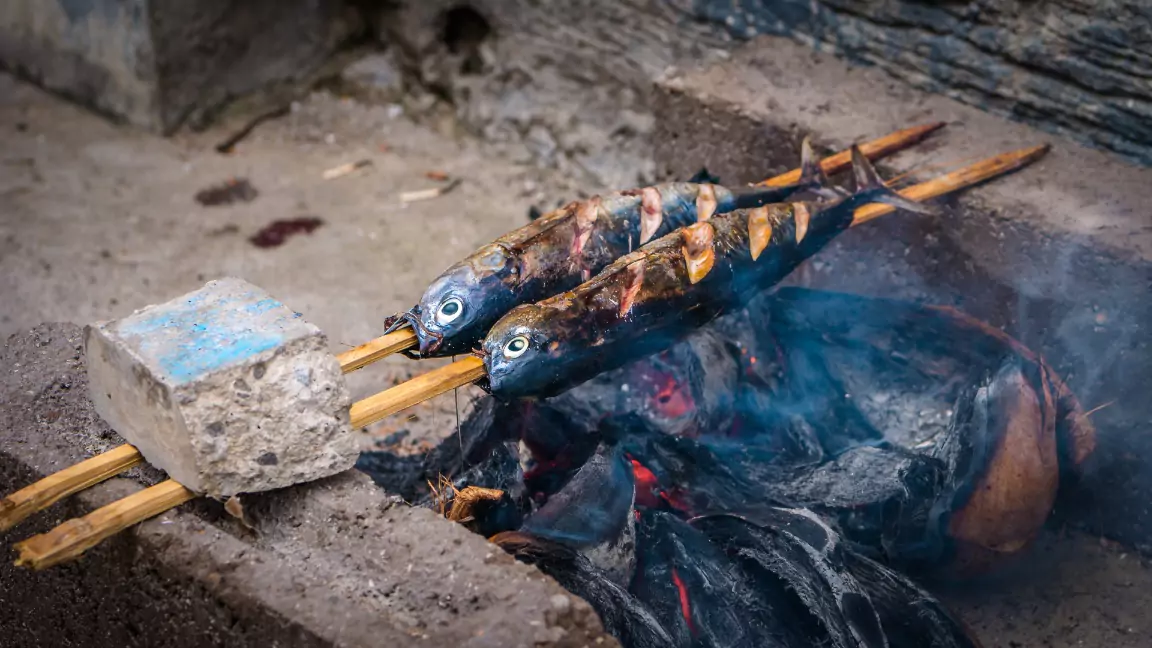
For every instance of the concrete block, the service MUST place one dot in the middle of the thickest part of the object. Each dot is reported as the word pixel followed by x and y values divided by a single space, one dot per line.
pixel 331 564
pixel 225 388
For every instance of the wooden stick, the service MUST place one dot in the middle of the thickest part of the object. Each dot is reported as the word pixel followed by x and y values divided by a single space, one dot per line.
pixel 421 388
pixel 417 390
pixel 74 537
pixel 15 508
pixel 957 180
pixel 874 150
pixel 381 347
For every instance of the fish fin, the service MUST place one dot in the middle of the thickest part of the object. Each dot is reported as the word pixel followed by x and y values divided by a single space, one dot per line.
pixel 871 188
pixel 635 275
pixel 706 202
pixel 812 175
pixel 651 213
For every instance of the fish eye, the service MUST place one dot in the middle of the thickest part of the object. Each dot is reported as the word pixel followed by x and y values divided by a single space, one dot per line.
pixel 449 310
pixel 516 347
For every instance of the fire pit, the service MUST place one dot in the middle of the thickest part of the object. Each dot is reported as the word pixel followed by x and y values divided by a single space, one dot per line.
pixel 791 456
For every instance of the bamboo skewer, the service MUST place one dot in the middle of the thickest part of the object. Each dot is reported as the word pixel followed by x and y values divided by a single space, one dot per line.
pixel 878 148
pixel 960 179
pixel 74 537
pixel 407 394
pixel 377 349
pixel 15 508
pixel 419 389
pixel 18 506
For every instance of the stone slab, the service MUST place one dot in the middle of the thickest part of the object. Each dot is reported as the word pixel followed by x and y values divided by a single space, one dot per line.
pixel 1075 68
pixel 1059 254
pixel 225 388
pixel 157 63
pixel 331 563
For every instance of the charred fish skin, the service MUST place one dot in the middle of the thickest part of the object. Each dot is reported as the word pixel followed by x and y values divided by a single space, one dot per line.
pixel 610 321
pixel 647 300
pixel 564 248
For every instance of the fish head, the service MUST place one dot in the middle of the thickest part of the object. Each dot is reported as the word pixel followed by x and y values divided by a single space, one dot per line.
pixel 525 353
pixel 458 307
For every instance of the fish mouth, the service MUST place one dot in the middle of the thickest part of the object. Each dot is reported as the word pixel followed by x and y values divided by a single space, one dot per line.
pixel 430 341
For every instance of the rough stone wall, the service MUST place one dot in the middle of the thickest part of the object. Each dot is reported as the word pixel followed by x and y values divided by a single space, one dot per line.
pixel 157 63
pixel 1081 68
pixel 96 52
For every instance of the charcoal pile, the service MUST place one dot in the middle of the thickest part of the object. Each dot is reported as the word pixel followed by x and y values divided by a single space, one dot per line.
pixel 772 478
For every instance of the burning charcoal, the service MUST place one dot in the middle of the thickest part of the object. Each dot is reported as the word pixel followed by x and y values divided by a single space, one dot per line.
pixel 882 498
pixel 909 616
pixel 622 613
pixel 814 394
pixel 593 514
pixel 1003 467
pixel 803 552
pixel 946 386
pixel 698 497
pixel 919 353
pixel 699 594
pixel 481 435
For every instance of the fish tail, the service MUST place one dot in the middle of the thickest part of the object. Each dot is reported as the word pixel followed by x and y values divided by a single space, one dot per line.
pixel 870 187
pixel 812 178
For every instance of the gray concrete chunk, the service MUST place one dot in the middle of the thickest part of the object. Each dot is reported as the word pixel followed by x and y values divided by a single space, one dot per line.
pixel 225 388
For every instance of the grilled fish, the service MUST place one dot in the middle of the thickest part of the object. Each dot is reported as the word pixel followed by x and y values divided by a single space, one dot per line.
pixel 651 298
pixel 561 249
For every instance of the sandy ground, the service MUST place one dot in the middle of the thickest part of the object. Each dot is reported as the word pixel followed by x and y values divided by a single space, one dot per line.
pixel 97 220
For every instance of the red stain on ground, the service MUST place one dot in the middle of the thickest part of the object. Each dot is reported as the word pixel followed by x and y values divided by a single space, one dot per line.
pixel 275 233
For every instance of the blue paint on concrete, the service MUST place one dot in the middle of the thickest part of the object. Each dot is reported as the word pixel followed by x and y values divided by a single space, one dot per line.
pixel 199 336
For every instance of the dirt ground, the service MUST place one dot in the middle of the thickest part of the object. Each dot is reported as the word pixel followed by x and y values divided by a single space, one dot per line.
pixel 97 220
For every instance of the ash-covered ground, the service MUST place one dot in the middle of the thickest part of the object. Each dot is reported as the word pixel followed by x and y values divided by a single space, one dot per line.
pixel 97 220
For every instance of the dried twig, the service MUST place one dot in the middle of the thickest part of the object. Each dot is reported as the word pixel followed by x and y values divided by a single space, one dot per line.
pixel 345 169
pixel 227 145
pixel 428 194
